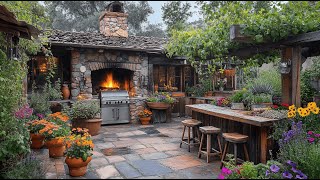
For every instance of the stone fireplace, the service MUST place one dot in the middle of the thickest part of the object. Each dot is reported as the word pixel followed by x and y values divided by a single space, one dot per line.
pixel 128 71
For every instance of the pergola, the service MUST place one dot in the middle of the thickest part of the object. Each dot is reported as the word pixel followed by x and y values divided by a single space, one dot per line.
pixel 294 51
pixel 15 29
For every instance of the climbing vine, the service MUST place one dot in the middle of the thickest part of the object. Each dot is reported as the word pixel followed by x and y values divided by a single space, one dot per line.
pixel 212 44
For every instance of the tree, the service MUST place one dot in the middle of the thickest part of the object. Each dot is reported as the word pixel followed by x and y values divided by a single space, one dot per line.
pixel 152 30
pixel 84 15
pixel 175 14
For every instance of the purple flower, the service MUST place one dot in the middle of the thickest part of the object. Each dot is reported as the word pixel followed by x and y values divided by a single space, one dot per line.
pixel 287 175
pixel 293 169
pixel 40 116
pixel 267 172
pixel 226 171
pixel 310 132
pixel 301 176
pixel 274 168
pixel 291 163
pixel 317 135
pixel 220 176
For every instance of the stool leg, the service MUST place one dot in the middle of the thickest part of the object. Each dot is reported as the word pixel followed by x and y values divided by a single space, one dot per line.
pixel 193 134
pixel 198 134
pixel 188 138
pixel 246 152
pixel 235 152
pixel 208 147
pixel 224 153
pixel 220 149
pixel 184 129
pixel 200 147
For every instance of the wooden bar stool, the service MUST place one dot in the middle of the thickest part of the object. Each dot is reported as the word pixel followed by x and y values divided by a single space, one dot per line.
pixel 194 124
pixel 209 131
pixel 236 139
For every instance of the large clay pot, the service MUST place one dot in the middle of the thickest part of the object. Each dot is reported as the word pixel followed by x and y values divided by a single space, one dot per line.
pixel 56 147
pixel 65 91
pixel 77 167
pixel 93 125
pixel 158 105
pixel 37 141
pixel 145 120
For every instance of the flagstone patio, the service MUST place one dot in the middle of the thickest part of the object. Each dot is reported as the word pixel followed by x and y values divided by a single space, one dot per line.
pixel 141 152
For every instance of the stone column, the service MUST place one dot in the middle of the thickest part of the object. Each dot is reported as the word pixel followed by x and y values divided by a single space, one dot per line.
pixel 75 74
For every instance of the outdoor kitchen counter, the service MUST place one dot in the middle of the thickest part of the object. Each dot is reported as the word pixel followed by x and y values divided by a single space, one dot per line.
pixel 257 128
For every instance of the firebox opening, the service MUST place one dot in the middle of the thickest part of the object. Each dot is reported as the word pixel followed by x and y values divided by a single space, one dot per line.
pixel 111 79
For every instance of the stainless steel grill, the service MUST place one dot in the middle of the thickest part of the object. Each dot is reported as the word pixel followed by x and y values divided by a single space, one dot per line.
pixel 114 106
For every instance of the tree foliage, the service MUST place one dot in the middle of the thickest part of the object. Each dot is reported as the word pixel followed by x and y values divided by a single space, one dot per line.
pixel 211 44
pixel 175 14
pixel 84 15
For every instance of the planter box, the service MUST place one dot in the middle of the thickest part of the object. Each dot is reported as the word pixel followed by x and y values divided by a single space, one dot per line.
pixel 93 125
pixel 237 106
pixel 262 106
pixel 158 105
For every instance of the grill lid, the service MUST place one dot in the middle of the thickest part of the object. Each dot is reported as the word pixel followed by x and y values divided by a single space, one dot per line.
pixel 114 95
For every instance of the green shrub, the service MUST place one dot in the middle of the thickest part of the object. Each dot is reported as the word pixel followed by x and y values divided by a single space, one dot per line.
pixel 238 96
pixel 54 93
pixel 40 103
pixel 26 170
pixel 307 92
pixel 84 110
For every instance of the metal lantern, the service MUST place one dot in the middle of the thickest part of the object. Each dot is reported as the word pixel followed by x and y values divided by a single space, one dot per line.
pixel 285 67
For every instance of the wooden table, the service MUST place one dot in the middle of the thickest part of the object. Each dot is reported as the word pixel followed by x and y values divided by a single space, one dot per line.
pixel 238 121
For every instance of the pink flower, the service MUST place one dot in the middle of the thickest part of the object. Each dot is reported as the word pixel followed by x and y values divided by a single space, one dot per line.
pixel 310 140
pixel 310 132
pixel 226 171
pixel 317 135
pixel 220 176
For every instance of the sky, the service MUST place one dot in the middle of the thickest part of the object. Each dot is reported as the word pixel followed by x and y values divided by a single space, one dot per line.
pixel 156 17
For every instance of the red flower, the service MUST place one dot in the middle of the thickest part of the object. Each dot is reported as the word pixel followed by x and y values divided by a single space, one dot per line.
pixel 285 104
pixel 275 106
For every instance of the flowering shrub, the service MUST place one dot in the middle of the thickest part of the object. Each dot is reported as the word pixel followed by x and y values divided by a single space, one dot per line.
pixel 145 113
pixel 25 112
pixel 308 115
pixel 52 130
pixel 282 106
pixel 35 126
pixel 58 118
pixel 79 144
pixel 161 97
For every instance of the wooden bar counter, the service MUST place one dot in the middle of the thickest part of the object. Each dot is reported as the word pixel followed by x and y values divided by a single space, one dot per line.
pixel 257 128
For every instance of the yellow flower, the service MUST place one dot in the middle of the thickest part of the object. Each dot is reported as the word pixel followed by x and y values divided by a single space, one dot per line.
pixel 291 114
pixel 292 107
pixel 312 105
pixel 315 110
pixel 300 109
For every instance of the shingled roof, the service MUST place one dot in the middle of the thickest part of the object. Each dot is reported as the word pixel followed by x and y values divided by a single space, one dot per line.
pixel 98 40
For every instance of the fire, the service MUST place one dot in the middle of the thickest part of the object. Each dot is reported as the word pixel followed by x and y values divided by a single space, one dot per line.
pixel 109 82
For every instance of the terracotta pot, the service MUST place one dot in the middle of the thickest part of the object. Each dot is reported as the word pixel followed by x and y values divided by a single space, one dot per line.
pixel 145 120
pixel 158 105
pixel 77 167
pixel 65 91
pixel 93 125
pixel 37 141
pixel 209 93
pixel 56 147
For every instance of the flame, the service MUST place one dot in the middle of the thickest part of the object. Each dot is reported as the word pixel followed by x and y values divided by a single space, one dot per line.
pixel 109 82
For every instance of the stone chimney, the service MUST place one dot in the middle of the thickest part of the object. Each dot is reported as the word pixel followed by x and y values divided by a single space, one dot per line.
pixel 113 21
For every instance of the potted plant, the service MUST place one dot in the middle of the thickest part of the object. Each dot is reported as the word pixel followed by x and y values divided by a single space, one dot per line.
pixel 237 100
pixel 160 101
pixel 79 147
pixel 59 118
pixel 259 101
pixel 54 138
pixel 221 83
pixel 37 139
pixel 83 114
pixel 145 116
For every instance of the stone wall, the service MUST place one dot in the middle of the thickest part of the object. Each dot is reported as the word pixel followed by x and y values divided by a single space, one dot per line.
pixel 136 105
pixel 114 24
pixel 101 59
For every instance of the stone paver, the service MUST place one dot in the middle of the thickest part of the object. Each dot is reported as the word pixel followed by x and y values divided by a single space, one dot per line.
pixel 150 167
pixel 127 170
pixel 113 159
pixel 141 155
pixel 107 172
pixel 156 155
pixel 181 162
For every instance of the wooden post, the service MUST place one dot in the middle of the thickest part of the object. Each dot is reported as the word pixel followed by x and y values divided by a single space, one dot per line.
pixel 263 144
pixel 291 82
pixel 286 82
